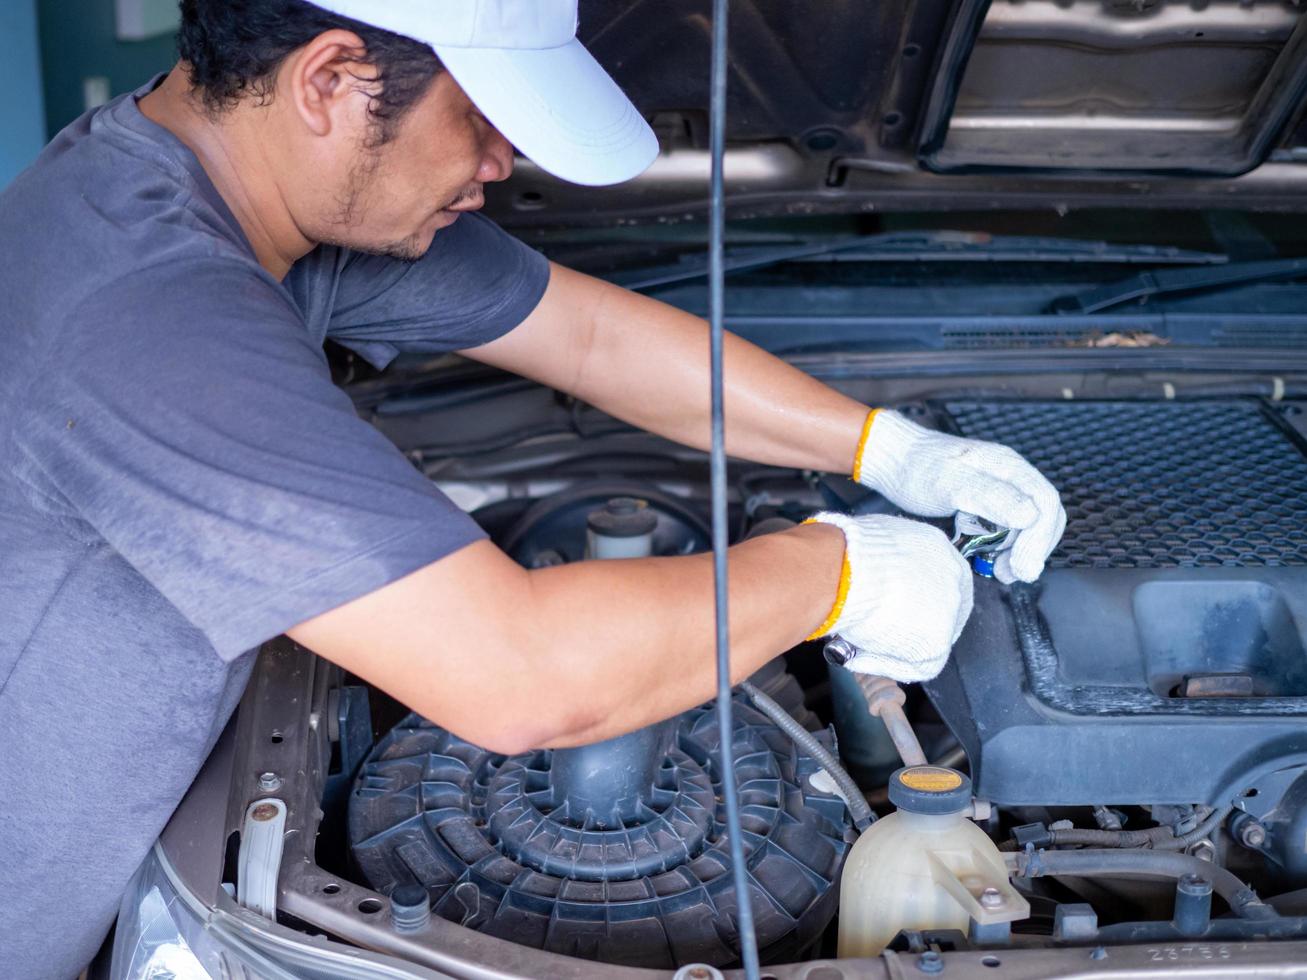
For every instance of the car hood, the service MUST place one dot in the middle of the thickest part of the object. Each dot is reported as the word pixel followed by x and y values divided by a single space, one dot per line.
pixel 848 105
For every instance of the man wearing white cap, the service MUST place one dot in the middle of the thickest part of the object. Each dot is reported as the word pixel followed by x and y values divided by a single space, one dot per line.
pixel 183 481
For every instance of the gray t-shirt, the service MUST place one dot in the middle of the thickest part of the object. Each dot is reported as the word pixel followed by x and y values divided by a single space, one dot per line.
pixel 181 482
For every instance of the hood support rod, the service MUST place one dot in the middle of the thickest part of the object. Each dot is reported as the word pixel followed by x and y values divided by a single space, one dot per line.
pixel 720 527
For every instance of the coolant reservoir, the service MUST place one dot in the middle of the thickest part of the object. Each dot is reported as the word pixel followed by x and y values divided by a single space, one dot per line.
pixel 925 866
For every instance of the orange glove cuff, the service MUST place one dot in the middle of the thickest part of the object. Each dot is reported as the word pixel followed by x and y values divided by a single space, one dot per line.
pixel 862 444
pixel 841 595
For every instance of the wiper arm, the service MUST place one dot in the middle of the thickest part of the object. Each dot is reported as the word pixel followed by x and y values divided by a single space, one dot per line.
pixel 753 258
pixel 921 246
pixel 1168 281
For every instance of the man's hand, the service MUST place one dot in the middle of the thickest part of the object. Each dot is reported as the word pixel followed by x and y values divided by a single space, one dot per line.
pixel 904 597
pixel 937 475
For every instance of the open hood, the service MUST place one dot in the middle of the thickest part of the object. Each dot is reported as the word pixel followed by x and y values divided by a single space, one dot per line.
pixel 851 105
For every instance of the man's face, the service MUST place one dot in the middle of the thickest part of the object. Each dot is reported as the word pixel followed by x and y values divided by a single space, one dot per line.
pixel 393 198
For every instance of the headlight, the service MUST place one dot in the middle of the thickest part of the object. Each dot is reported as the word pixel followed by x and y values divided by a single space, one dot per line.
pixel 161 934
pixel 165 933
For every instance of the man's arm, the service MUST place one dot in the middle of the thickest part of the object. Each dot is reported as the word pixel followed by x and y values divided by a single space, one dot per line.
pixel 647 363
pixel 514 659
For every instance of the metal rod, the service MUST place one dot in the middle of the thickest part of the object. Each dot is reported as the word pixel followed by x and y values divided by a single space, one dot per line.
pixel 885 700
pixel 720 539
pixel 901 733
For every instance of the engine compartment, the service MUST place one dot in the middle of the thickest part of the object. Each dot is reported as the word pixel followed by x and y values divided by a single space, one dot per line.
pixel 1145 698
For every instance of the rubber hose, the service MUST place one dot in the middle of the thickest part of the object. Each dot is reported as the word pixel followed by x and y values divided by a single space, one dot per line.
pixel 1243 901
pixel 1157 838
pixel 859 809
pixel 1204 829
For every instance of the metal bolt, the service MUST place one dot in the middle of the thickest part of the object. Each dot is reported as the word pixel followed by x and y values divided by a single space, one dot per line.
pixel 1106 819
pixel 1204 850
pixel 1253 834
pixel 264 811
pixel 1098 953
pixel 930 962
pixel 269 782
pixel 838 651
pixel 991 898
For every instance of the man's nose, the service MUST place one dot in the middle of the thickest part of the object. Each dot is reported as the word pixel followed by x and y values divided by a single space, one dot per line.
pixel 496 158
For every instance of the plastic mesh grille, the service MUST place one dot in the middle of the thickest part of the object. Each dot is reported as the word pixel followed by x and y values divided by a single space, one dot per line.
pixel 997 337
pixel 1156 485
pixel 1260 335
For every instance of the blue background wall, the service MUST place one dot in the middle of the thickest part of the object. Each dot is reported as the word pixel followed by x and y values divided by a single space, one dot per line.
pixel 22 118
pixel 78 40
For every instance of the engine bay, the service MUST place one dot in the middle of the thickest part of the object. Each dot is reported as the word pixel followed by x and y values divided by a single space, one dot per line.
pixel 1129 729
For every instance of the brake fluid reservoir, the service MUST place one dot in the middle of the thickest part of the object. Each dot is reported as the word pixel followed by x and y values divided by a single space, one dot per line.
pixel 622 528
pixel 925 866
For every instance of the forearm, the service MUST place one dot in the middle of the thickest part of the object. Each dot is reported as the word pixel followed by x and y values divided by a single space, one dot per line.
pixel 515 659
pixel 647 363
pixel 648 653
pixel 775 413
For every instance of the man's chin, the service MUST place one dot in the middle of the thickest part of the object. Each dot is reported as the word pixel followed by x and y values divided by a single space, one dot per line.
pixel 413 248
pixel 409 249
pixel 406 250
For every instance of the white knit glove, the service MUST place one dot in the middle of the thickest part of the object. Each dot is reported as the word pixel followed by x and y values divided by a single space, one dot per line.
pixel 904 596
pixel 937 475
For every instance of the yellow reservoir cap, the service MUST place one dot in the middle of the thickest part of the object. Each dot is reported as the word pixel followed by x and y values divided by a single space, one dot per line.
pixel 930 789
pixel 931 779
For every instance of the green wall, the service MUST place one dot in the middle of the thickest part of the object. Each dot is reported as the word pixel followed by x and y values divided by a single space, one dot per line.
pixel 22 122
pixel 77 41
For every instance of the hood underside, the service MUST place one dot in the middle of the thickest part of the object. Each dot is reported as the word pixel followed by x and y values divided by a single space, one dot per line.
pixel 847 105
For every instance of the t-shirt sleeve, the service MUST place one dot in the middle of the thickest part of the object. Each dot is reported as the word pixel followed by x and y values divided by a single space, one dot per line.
pixel 191 422
pixel 475 284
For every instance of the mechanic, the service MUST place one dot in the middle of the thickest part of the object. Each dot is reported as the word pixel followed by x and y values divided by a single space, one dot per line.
pixel 184 482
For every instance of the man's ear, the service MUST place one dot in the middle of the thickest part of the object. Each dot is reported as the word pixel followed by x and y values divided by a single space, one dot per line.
pixel 324 77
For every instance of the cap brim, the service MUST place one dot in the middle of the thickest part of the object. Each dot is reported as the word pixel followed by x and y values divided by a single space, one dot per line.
pixel 559 108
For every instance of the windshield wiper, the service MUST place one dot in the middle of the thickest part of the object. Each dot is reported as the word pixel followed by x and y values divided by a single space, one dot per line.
pixel 1169 281
pixel 919 246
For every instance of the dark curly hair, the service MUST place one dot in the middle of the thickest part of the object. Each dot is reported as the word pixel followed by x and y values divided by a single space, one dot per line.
pixel 233 49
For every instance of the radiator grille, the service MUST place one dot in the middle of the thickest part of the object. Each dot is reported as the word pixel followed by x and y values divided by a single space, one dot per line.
pixel 1156 485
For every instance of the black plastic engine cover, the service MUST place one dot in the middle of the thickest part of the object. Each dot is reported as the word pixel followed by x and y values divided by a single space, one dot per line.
pixel 1161 659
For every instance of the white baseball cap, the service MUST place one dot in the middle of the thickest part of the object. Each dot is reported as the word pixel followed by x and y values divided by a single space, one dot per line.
pixel 519 61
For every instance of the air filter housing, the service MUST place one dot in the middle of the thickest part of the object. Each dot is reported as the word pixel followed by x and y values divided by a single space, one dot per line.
pixel 616 852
